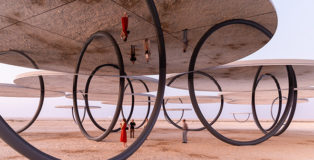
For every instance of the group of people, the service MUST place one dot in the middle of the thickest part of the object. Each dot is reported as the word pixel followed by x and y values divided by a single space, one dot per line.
pixel 124 36
pixel 124 127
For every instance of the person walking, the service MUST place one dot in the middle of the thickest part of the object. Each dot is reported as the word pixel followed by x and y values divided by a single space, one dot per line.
pixel 123 136
pixel 132 127
pixel 185 132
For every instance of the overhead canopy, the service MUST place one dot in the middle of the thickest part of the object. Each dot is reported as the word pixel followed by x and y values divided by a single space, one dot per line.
pixel 12 90
pixel 61 81
pixel 53 33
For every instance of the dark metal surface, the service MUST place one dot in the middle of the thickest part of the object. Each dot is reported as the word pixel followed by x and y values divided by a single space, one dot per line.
pixel 161 86
pixel 241 121
pixel 291 77
pixel 254 113
pixel 42 89
pixel 121 85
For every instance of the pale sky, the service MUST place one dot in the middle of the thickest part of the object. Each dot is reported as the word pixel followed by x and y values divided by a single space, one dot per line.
pixel 293 39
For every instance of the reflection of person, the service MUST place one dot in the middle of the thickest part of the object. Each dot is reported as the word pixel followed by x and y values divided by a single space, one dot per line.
pixel 132 125
pixel 147 50
pixel 133 56
pixel 123 136
pixel 185 40
pixel 124 32
pixel 185 132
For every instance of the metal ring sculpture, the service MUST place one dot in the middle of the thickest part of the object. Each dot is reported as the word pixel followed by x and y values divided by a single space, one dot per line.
pixel 83 118
pixel 148 102
pixel 121 85
pixel 85 95
pixel 221 101
pixel 42 89
pixel 182 114
pixel 272 108
pixel 256 120
pixel 247 118
pixel 291 76
pixel 26 149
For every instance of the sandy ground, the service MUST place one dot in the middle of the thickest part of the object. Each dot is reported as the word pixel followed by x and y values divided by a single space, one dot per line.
pixel 63 140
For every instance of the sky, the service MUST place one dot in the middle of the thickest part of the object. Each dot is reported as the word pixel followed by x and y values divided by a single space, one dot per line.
pixel 293 39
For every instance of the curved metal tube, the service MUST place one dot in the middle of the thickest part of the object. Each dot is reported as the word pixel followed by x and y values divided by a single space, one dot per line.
pixel 221 101
pixel 121 86
pixel 16 142
pixel 256 120
pixel 272 108
pixel 291 96
pixel 84 114
pixel 247 118
pixel 86 96
pixel 42 89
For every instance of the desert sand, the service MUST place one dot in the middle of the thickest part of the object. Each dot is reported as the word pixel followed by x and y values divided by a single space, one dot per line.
pixel 63 140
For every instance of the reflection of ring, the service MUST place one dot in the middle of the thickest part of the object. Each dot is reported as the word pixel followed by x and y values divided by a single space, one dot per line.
pixel 241 121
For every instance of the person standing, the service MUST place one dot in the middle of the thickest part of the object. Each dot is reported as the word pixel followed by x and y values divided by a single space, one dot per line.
pixel 185 40
pixel 132 127
pixel 123 136
pixel 185 132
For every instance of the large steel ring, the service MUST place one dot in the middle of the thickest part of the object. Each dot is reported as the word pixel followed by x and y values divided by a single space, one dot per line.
pixel 26 149
pixel 148 102
pixel 272 108
pixel 182 113
pixel 85 95
pixel 221 101
pixel 291 76
pixel 241 121
pixel 254 113
pixel 42 89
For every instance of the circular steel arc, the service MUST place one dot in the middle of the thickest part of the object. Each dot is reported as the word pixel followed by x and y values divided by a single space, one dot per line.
pixel 235 118
pixel 221 101
pixel 42 89
pixel 121 85
pixel 85 95
pixel 254 113
pixel 291 77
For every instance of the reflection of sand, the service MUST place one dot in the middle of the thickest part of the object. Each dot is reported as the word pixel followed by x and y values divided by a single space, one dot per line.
pixel 63 140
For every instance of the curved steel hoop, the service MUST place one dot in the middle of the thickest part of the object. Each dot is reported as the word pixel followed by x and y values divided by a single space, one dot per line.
pixel 121 85
pixel 83 118
pixel 182 113
pixel 42 89
pixel 291 76
pixel 247 118
pixel 148 102
pixel 254 113
pixel 272 108
pixel 85 95
pixel 161 86
pixel 221 101
pixel 16 142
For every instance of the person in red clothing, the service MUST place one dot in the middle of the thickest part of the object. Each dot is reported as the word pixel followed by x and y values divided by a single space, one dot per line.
pixel 123 137
pixel 124 32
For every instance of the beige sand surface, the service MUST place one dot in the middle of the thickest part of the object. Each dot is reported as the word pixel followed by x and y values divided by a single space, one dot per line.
pixel 63 140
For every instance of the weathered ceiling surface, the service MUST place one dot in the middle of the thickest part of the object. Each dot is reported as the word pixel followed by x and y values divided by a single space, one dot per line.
pixel 53 32
pixel 57 81
pixel 240 79
pixel 79 107
pixel 12 90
